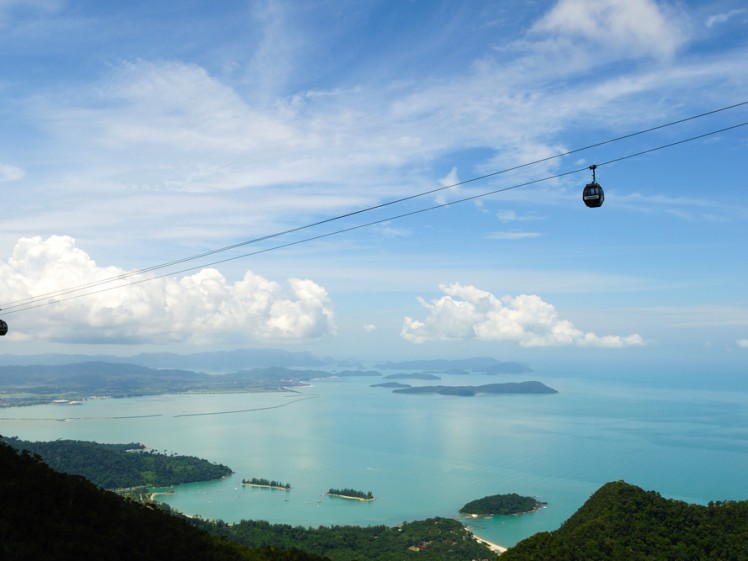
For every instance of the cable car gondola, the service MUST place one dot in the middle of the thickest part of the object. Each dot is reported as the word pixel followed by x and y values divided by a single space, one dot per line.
pixel 593 195
pixel 3 327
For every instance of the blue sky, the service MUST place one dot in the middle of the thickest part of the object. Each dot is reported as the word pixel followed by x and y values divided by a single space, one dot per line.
pixel 138 133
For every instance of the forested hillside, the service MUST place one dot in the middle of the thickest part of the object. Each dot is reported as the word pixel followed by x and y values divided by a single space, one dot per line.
pixel 46 515
pixel 434 539
pixel 118 466
pixel 621 522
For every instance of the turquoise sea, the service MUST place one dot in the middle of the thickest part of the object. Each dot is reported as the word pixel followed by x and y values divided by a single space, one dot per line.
pixel 683 433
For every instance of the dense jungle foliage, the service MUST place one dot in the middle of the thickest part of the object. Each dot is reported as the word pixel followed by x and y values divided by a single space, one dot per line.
pixel 118 466
pixel 621 522
pixel 435 539
pixel 50 516
pixel 511 503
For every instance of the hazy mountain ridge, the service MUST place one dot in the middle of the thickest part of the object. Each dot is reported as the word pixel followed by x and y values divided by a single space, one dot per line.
pixel 478 364
pixel 52 377
pixel 25 385
pixel 208 361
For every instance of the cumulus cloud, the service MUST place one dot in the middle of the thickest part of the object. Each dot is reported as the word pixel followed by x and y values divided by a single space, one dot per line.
pixel 639 27
pixel 200 308
pixel 743 343
pixel 466 312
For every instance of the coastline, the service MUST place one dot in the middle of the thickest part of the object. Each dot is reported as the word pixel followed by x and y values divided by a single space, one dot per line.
pixel 496 548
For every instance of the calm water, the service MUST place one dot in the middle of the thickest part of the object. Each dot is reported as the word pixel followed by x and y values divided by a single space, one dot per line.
pixel 685 436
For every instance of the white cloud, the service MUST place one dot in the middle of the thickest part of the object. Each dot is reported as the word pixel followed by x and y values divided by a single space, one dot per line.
pixel 512 216
pixel 640 27
pixel 466 312
pixel 10 173
pixel 450 180
pixel 724 17
pixel 200 308
pixel 370 327
pixel 513 235
pixel 743 343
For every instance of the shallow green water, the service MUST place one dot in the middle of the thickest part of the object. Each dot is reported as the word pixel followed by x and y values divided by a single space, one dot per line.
pixel 427 455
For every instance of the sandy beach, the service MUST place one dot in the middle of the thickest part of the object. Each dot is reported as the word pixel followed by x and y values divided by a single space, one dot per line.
pixel 496 548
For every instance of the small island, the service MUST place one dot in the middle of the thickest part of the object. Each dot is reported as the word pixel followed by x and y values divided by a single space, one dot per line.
pixel 412 376
pixel 501 505
pixel 351 494
pixel 391 385
pixel 470 391
pixel 261 482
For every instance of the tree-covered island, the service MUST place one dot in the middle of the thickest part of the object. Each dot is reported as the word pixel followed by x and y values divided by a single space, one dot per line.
pixel 351 494
pixel 262 482
pixel 501 505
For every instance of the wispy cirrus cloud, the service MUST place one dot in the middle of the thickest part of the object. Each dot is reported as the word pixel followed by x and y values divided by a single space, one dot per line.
pixel 513 235
pixel 724 17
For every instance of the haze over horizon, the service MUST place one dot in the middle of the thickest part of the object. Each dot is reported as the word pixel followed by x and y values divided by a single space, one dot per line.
pixel 143 133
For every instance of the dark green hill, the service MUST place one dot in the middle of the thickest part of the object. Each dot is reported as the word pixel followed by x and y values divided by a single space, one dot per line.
pixel 46 515
pixel 621 522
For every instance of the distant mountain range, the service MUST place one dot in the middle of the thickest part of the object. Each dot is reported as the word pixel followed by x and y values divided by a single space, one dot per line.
pixel 216 361
pixel 28 380
pixel 479 364
pixel 238 359
pixel 33 384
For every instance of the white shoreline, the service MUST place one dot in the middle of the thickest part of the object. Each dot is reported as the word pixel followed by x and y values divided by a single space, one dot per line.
pixel 496 548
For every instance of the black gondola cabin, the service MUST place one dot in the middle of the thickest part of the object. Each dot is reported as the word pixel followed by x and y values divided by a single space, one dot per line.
pixel 3 327
pixel 593 195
